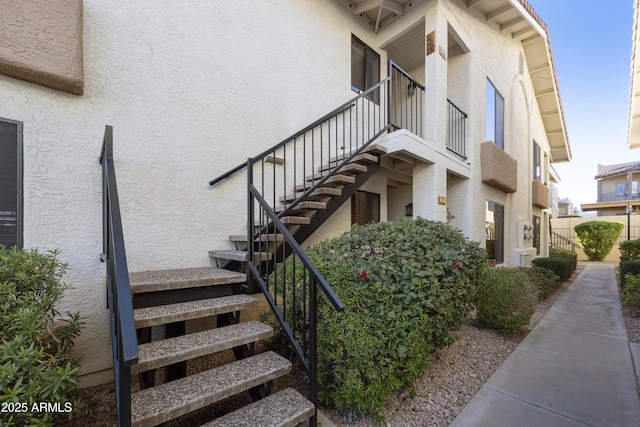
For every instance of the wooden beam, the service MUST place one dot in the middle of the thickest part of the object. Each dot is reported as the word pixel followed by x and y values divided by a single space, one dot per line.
pixel 366 6
pixel 393 6
pixel 471 3
pixel 499 11
pixel 528 40
pixel 542 67
pixel 511 23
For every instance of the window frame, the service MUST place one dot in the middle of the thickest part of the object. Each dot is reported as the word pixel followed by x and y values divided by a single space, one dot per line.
pixel 366 197
pixel 499 219
pixel 537 162
pixel 371 61
pixel 19 242
pixel 494 115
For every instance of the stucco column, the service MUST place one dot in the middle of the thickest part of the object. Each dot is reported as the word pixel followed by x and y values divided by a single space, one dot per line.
pixel 436 30
pixel 429 183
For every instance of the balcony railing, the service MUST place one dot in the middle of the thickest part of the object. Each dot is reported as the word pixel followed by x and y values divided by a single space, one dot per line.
pixel 406 101
pixel 456 130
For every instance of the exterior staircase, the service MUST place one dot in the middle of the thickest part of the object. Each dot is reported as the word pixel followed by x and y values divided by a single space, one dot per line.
pixel 250 373
pixel 293 188
pixel 310 211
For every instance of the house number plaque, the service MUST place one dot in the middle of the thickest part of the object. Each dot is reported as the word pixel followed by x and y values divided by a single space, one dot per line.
pixel 442 200
pixel 431 42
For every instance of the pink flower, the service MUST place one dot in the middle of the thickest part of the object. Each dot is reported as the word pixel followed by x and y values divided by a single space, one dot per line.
pixel 455 264
pixel 363 274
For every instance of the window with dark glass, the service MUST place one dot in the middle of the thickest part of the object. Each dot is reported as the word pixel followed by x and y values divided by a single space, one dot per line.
pixel 365 208
pixel 10 183
pixel 537 171
pixel 495 115
pixel 365 66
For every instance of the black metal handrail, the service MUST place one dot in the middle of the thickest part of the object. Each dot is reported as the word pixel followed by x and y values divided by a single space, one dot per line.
pixel 280 178
pixel 456 130
pixel 296 310
pixel 123 332
pixel 561 242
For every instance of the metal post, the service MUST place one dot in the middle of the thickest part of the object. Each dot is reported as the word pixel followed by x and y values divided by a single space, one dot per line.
pixel 628 210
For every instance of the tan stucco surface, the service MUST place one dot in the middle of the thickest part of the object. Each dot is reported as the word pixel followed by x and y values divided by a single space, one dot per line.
pixel 42 42
pixel 499 170
pixel 539 194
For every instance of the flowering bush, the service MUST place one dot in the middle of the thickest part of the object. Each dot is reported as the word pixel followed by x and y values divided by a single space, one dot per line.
pixel 406 286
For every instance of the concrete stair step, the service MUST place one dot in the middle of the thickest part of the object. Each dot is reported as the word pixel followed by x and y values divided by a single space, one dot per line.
pixel 169 313
pixel 295 220
pixel 348 169
pixel 303 206
pixel 271 237
pixel 286 408
pixel 373 151
pixel 167 401
pixel 173 350
pixel 243 256
pixel 333 181
pixel 318 194
pixel 362 158
pixel 163 280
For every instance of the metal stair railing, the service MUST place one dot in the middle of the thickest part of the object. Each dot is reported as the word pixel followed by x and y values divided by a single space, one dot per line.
pixel 301 164
pixel 123 332
pixel 560 242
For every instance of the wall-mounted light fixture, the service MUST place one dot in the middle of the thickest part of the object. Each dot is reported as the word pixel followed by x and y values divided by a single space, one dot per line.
pixel 411 88
pixel 408 210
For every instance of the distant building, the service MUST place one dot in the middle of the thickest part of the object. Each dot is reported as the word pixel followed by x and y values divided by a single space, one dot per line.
pixel 566 207
pixel 617 189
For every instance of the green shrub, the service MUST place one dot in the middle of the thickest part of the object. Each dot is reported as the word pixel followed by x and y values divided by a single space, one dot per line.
pixel 598 237
pixel 505 299
pixel 545 280
pixel 417 287
pixel 630 250
pixel 628 267
pixel 35 361
pixel 561 266
pixel 632 292
pixel 561 253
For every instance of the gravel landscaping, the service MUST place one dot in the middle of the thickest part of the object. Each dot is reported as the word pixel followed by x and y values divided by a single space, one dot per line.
pixel 457 372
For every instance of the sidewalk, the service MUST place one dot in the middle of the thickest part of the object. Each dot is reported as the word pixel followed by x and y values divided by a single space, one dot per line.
pixel 575 368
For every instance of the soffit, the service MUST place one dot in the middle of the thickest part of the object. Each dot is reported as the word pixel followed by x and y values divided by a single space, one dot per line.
pixel 518 19
pixel 380 13
pixel 514 17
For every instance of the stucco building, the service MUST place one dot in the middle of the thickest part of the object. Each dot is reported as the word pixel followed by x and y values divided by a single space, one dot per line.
pixel 617 189
pixel 468 122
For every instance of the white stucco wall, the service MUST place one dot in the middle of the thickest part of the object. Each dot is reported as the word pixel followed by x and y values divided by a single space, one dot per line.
pixel 191 92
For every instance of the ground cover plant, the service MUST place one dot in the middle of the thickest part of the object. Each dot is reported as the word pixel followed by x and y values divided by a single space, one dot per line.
pixel 36 366
pixel 406 285
pixel 598 237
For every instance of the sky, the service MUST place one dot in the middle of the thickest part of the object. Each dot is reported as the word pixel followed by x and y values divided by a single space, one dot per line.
pixel 591 43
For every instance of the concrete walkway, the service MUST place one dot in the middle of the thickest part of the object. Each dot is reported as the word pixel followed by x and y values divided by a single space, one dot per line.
pixel 575 368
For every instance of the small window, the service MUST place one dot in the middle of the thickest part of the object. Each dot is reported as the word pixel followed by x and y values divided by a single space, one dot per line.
pixel 537 172
pixel 365 208
pixel 10 183
pixel 495 115
pixel 621 189
pixel 365 66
